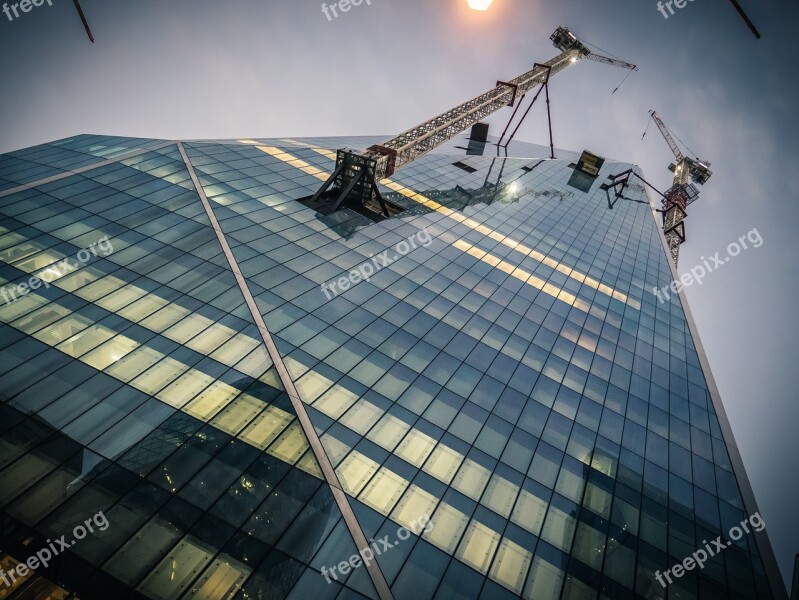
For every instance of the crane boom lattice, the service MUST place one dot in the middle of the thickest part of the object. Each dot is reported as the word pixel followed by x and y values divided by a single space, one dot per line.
pixel 357 172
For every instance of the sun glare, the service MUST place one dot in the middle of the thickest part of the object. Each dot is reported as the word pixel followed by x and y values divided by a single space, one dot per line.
pixel 479 4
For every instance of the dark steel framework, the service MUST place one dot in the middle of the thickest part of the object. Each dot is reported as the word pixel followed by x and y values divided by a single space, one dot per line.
pixel 380 161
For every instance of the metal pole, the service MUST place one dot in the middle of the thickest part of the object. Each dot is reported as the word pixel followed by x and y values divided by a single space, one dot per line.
pixel 83 19
pixel 549 119
pixel 746 18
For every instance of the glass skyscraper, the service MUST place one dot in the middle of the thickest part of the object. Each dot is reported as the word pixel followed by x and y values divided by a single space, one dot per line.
pixel 264 398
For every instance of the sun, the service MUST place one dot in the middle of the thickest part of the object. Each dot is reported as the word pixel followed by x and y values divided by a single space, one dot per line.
pixel 479 4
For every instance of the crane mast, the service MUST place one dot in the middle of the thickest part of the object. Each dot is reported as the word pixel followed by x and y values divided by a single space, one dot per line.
pixel 682 192
pixel 357 172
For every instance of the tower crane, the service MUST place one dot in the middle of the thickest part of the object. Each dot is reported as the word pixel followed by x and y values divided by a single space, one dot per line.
pixel 681 193
pixel 357 172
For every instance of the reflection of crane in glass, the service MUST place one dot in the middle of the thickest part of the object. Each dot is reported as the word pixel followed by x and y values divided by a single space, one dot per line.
pixel 84 21
pixel 681 193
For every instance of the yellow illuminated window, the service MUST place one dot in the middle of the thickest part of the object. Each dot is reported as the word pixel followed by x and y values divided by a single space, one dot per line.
pixel 133 363
pixel 598 500
pixel 500 495
pixel 272 379
pixel 334 448
pixel 414 504
pixel 570 485
pixel 213 399
pixel 142 308
pixel 191 383
pixel 295 368
pixel 361 416
pixel 312 385
pixel 448 525
pixel 76 279
pixel 235 349
pixel 511 565
pixel 388 432
pixel 221 580
pixel 177 570
pixel 63 329
pixel 291 444
pixel 416 447
pixel 213 337
pixel 188 328
pixel 544 582
pixel 39 261
pixel 255 363
pixel 238 413
pixel 122 297
pixel 22 250
pixel 384 491
pixel 309 464
pixel 604 463
pixel 471 479
pixel 9 238
pixel 161 374
pixel 478 546
pixel 100 288
pixel 165 317
pixel 266 427
pixel 89 338
pixel 443 463
pixel 355 471
pixel 136 556
pixel 22 305
pixel 529 512
pixel 335 401
pixel 558 529
pixel 46 315
pixel 8 565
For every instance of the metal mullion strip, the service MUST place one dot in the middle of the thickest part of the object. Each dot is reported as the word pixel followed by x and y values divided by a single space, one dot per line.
pixel 378 579
pixel 78 171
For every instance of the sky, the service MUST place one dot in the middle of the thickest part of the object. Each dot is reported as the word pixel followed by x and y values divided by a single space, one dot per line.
pixel 188 69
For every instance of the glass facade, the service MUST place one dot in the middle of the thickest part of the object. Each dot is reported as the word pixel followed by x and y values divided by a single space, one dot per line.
pixel 251 391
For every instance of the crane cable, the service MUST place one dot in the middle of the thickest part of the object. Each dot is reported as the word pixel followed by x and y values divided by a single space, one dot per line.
pixel 649 122
pixel 612 56
pixel 622 83
pixel 684 144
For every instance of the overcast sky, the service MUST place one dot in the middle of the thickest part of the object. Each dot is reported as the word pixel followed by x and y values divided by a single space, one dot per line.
pixel 265 68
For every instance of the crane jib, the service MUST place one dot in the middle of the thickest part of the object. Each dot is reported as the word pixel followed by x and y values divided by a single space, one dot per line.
pixel 357 172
